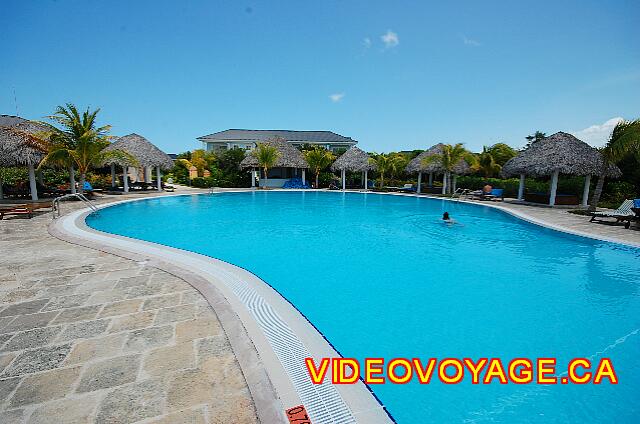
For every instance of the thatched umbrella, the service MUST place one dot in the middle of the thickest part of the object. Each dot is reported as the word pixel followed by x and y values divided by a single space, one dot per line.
pixel 147 155
pixel 435 167
pixel 560 153
pixel 17 138
pixel 289 157
pixel 353 160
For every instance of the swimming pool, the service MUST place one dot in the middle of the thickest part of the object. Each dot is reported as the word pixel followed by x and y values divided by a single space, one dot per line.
pixel 382 276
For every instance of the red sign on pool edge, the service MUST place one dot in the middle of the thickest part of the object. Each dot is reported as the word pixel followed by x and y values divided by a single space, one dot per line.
pixel 298 415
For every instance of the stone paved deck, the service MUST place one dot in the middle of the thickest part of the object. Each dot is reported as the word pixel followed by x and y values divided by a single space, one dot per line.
pixel 88 337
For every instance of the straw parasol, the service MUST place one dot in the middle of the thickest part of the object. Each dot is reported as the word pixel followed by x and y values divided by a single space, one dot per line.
pixel 434 167
pixel 17 138
pixel 289 156
pixel 146 153
pixel 560 153
pixel 354 160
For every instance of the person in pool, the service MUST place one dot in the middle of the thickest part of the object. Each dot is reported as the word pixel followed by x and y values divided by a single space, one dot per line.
pixel 447 219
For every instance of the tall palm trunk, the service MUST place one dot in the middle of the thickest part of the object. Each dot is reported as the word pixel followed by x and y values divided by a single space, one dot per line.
pixel 595 198
pixel 317 178
pixel 83 177
pixel 72 179
pixel 266 177
pixel 381 179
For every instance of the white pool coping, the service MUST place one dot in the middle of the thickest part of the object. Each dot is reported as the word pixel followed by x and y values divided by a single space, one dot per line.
pixel 279 336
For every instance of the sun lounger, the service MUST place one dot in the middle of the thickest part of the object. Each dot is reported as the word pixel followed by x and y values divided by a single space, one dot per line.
pixel 494 194
pixel 407 187
pixel 623 214
pixel 24 208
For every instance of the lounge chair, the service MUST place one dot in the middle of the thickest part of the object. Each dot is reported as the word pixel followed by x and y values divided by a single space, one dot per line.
pixel 623 214
pixel 407 187
pixel 24 208
pixel 494 194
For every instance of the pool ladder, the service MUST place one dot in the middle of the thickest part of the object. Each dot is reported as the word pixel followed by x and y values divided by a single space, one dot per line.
pixel 79 196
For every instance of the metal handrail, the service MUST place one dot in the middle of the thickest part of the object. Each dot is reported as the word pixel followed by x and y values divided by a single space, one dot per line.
pixel 79 196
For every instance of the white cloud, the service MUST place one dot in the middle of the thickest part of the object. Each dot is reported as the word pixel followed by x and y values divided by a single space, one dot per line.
pixel 598 135
pixel 336 97
pixel 470 42
pixel 366 42
pixel 390 39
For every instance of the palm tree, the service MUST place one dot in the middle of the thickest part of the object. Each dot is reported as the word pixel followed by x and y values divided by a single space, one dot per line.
pixel 267 157
pixel 487 165
pixel 318 159
pixel 534 138
pixel 448 159
pixel 624 140
pixel 79 144
pixel 387 164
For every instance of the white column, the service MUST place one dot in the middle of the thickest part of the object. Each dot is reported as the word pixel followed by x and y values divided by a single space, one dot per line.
pixel 554 188
pixel 253 177
pixel 521 187
pixel 454 184
pixel 158 178
pixel 304 176
pixel 113 175
pixel 344 179
pixel 32 183
pixel 147 174
pixel 366 179
pixel 430 179
pixel 585 191
pixel 419 183
pixel 444 183
pixel 125 178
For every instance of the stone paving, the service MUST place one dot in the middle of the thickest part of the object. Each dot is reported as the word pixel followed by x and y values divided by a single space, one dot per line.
pixel 88 337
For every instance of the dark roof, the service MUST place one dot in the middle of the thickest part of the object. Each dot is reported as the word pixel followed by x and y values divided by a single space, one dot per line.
pixel 287 135
pixel 10 120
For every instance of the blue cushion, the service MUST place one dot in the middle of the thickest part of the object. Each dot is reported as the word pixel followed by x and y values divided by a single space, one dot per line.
pixel 87 186
pixel 497 192
pixel 636 203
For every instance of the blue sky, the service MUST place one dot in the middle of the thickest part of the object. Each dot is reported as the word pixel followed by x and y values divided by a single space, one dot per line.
pixel 392 75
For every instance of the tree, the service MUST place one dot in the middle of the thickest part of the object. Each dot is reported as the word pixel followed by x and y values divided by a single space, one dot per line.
pixel 79 143
pixel 318 159
pixel 487 164
pixel 450 157
pixel 387 164
pixel 199 158
pixel 624 141
pixel 502 152
pixel 535 137
pixel 267 157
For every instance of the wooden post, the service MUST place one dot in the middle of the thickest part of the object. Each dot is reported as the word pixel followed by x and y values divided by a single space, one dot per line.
pixel 344 179
pixel 304 176
pixel 113 175
pixel 366 179
pixel 419 189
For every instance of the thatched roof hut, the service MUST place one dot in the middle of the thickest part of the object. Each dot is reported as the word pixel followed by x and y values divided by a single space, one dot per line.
pixel 416 164
pixel 289 156
pixel 17 138
pixel 355 160
pixel 146 153
pixel 561 152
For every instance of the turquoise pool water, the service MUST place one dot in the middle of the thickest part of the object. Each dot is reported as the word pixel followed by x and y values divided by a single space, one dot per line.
pixel 382 276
